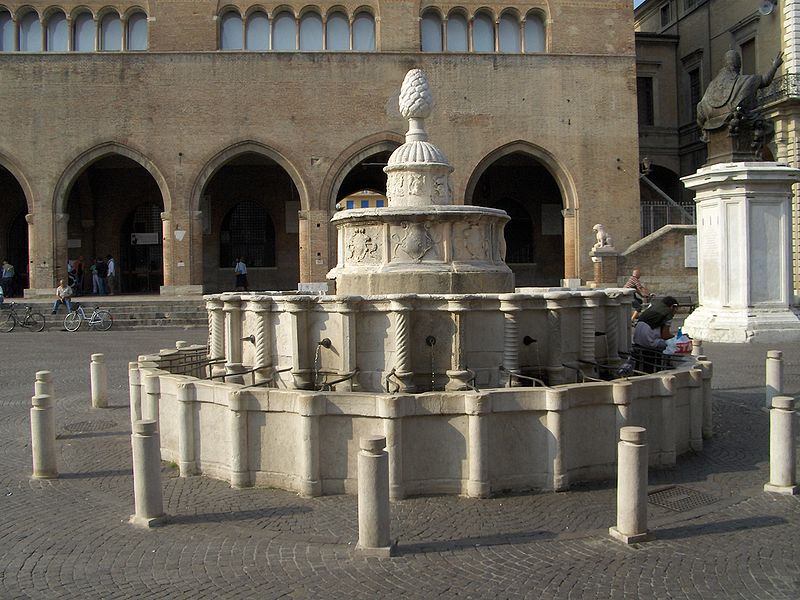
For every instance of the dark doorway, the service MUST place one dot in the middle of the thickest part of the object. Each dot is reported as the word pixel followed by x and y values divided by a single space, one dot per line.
pixel 14 230
pixel 525 189
pixel 108 203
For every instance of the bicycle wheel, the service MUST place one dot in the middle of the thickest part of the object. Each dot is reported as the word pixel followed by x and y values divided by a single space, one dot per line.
pixel 35 321
pixel 103 320
pixel 7 322
pixel 72 321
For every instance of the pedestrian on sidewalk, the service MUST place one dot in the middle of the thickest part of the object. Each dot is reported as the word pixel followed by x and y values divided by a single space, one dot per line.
pixel 111 275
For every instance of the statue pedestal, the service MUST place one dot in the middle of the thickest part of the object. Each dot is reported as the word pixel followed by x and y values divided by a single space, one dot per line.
pixel 744 238
pixel 606 267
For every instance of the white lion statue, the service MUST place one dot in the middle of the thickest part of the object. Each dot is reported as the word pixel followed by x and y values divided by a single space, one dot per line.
pixel 603 239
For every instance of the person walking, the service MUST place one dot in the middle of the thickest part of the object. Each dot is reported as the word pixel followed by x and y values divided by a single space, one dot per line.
pixel 241 275
pixel 7 279
pixel 640 293
pixel 63 296
pixel 99 277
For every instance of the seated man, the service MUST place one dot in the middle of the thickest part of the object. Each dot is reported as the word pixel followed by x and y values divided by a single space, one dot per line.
pixel 653 330
pixel 63 296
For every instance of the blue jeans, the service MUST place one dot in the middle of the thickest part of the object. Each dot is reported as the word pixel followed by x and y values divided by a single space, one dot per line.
pixel 57 304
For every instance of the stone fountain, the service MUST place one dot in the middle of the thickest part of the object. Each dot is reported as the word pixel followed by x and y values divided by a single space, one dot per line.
pixel 477 387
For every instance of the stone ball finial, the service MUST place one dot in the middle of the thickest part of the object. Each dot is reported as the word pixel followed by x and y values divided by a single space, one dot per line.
pixel 416 100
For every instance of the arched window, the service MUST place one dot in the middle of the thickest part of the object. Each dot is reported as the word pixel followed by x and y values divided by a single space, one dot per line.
pixel 364 32
pixel 509 34
pixel 247 231
pixel 456 33
pixel 83 33
pixel 111 32
pixel 483 33
pixel 534 33
pixel 311 31
pixel 431 32
pixel 137 31
pixel 230 37
pixel 57 32
pixel 257 31
pixel 6 32
pixel 337 32
pixel 284 32
pixel 30 33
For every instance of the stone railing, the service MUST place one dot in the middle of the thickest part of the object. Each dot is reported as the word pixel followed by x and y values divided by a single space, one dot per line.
pixel 418 342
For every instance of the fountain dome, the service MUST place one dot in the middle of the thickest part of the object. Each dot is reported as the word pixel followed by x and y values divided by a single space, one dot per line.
pixel 421 242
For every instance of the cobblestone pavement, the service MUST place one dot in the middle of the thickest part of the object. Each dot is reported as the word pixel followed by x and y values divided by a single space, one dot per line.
pixel 69 537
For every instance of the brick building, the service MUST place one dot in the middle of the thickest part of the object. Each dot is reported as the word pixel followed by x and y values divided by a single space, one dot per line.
pixel 680 47
pixel 179 135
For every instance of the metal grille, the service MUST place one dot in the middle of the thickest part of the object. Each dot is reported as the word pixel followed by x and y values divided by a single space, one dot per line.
pixel 248 232
pixel 657 213
pixel 680 499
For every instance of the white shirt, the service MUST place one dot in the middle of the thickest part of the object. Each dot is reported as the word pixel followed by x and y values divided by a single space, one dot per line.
pixel 112 268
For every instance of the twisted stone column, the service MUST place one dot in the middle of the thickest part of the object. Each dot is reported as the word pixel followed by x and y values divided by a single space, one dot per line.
pixel 263 357
pixel 401 308
pixel 458 375
pixel 216 332
pixel 510 306
pixel 588 325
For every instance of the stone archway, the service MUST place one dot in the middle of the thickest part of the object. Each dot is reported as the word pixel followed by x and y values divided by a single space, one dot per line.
pixel 250 207
pixel 540 238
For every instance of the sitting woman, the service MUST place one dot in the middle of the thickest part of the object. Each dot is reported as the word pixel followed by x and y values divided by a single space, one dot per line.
pixel 653 330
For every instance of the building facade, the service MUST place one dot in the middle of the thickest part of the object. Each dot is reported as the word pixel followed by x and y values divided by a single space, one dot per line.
pixel 179 136
pixel 680 47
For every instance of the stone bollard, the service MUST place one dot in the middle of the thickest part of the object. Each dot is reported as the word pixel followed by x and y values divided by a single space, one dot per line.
pixel 632 487
pixel 774 375
pixel 99 381
pixel 181 344
pixel 135 391
pixel 782 440
pixel 44 384
pixel 149 505
pixel 43 437
pixel 373 498
pixel 151 398
pixel 697 347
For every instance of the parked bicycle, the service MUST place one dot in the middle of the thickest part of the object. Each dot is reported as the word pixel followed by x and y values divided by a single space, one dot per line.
pixel 31 320
pixel 99 319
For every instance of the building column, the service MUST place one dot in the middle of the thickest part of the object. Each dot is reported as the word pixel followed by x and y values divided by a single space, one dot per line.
pixel 570 243
pixel 178 232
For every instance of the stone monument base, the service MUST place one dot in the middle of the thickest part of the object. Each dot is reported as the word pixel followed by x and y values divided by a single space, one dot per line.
pixel 738 326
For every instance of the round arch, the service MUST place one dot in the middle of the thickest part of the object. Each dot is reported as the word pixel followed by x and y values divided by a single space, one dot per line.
pixel 386 141
pixel 85 160
pixel 562 197
pixel 247 147
pixel 11 167
pixel 564 180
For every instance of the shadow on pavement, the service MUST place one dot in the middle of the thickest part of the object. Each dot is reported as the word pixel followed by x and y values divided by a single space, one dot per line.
pixel 687 531
pixel 242 515
pixel 471 542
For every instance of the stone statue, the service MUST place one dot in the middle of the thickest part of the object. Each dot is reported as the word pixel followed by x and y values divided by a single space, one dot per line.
pixel 602 237
pixel 729 109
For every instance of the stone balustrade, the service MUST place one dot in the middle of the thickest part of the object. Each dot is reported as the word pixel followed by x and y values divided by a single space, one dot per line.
pixel 478 338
